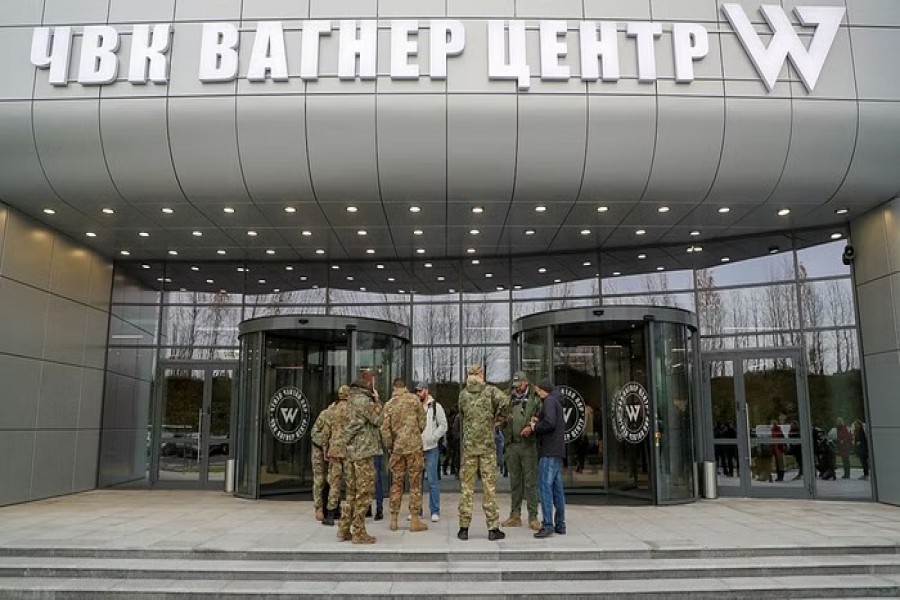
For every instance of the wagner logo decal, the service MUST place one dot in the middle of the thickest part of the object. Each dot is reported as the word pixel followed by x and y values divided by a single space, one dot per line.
pixel 631 413
pixel 573 412
pixel 288 415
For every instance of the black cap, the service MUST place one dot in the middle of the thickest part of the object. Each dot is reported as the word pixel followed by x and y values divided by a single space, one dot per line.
pixel 421 385
pixel 546 385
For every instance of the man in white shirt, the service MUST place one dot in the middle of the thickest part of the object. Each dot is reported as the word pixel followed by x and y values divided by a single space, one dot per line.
pixel 435 428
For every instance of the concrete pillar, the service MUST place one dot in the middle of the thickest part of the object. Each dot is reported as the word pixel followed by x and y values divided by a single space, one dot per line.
pixel 876 272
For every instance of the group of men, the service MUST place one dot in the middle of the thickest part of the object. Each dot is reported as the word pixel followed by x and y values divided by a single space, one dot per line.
pixel 350 434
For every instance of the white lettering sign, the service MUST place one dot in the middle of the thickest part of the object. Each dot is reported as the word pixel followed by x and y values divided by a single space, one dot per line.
pixel 600 44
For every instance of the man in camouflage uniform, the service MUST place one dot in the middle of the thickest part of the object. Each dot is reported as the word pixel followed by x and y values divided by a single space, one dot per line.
pixel 319 464
pixel 401 431
pixel 362 441
pixel 482 407
pixel 521 452
pixel 335 451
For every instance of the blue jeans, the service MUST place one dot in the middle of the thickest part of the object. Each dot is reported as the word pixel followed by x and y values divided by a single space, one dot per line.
pixel 432 458
pixel 551 486
pixel 379 484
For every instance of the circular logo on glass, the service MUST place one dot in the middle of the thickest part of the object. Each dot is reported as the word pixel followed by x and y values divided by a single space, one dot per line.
pixel 631 413
pixel 288 415
pixel 573 412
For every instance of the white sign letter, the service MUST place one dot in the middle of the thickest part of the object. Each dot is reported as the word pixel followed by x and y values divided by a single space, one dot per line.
pixel 516 66
pixel 218 52
pixel 268 53
pixel 606 49
pixel 402 48
pixel 552 49
pixel 149 51
pixel 785 42
pixel 690 42
pixel 52 51
pixel 645 35
pixel 99 64
pixel 365 47
pixel 448 38
pixel 309 51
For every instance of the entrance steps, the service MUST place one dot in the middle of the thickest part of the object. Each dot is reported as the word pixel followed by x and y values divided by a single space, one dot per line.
pixel 345 571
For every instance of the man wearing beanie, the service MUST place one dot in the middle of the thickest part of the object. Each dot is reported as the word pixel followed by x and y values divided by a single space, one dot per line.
pixel 550 429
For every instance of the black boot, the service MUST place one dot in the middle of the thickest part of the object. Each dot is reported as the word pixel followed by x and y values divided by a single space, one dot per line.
pixel 369 511
pixel 496 534
pixel 463 533
pixel 329 518
pixel 379 514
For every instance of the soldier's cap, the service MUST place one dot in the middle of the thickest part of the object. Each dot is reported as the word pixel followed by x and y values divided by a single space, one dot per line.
pixel 519 377
pixel 475 370
pixel 344 392
pixel 546 385
pixel 421 385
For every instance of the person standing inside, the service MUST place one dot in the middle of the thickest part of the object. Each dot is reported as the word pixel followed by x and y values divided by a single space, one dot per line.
pixel 861 446
pixel 362 441
pixel 521 452
pixel 435 428
pixel 336 451
pixel 844 442
pixel 401 432
pixel 482 407
pixel 550 429
pixel 319 438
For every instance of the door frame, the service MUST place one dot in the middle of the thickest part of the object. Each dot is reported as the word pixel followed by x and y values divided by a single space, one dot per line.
pixel 738 358
pixel 208 367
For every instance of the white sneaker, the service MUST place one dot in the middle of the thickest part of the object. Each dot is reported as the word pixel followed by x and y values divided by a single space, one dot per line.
pixel 409 517
pixel 435 517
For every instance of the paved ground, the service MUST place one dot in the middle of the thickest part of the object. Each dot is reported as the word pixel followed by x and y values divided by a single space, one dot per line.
pixel 181 520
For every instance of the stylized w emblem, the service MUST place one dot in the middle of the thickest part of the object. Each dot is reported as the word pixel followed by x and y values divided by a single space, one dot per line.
pixel 289 414
pixel 634 411
pixel 785 41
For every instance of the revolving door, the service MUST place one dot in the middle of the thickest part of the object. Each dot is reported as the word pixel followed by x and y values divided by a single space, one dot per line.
pixel 629 382
pixel 290 370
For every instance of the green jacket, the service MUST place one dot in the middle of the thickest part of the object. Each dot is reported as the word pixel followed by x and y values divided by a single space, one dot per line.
pixel 362 439
pixel 520 414
pixel 481 406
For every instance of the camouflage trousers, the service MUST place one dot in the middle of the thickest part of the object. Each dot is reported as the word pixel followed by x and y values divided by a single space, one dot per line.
pixel 319 466
pixel 359 477
pixel 335 480
pixel 486 464
pixel 407 464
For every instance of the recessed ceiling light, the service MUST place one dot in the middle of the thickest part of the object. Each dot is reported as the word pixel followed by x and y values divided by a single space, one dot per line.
pixel 166 210
pixel 143 234
pixel 784 212
pixel 660 268
pixel 289 268
pixel 517 287
pixel 261 281
pixel 451 291
pixel 228 210
pixel 475 261
pixel 470 250
pixel 336 267
pixel 488 275
pixel 616 273
pixel 108 211
pixel 663 209
pixel 379 266
pixel 49 211
pixel 557 280
pixel 145 266
pixel 724 209
pixel 173 252
pixel 640 232
pixel 276 290
pixel 414 209
pixel 320 251
pixel 500 288
pixel 401 292
pixel 197 233
pixel 602 208
pixel 695 233
pixel 306 232
pixel 362 232
pixel 542 270
pixel 270 252
pixel 642 256
pixel 474 232
pixel 529 232
pixel 223 291
pixel 428 265
pixel 391 279
pixel 290 209
pixel 210 281
pixel 91 234
pixel 841 211
pixel 418 232
pixel 773 250
pixel 195 268
pixel 586 263
pixel 124 252
pixel 836 235
pixel 540 208
pixel 349 277
pixel 222 252
pixel 440 278
pixel 362 289
pixel 477 210
pixel 725 259
pixel 352 209
pixel 585 232
pixel 303 278
pixel 252 233
pixel 420 250
pixel 370 250
pixel 241 269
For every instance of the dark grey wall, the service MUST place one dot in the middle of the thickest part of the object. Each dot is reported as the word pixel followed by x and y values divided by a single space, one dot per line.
pixel 876 238
pixel 54 296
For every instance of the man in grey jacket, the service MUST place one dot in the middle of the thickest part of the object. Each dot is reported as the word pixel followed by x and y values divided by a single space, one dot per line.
pixel 550 429
pixel 435 428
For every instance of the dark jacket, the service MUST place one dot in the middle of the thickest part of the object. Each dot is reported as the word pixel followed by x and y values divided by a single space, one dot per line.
pixel 550 430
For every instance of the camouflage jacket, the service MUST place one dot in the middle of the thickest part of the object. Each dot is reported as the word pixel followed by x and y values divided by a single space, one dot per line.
pixel 521 408
pixel 338 414
pixel 321 429
pixel 481 406
pixel 361 437
pixel 404 421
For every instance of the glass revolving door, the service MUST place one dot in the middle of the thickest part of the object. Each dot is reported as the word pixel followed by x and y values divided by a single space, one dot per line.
pixel 290 371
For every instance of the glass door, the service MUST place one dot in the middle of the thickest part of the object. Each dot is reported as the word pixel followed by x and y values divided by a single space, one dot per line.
pixel 192 426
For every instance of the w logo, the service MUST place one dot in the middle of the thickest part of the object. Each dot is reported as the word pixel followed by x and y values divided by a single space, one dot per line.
pixel 289 414
pixel 633 411
pixel 785 41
